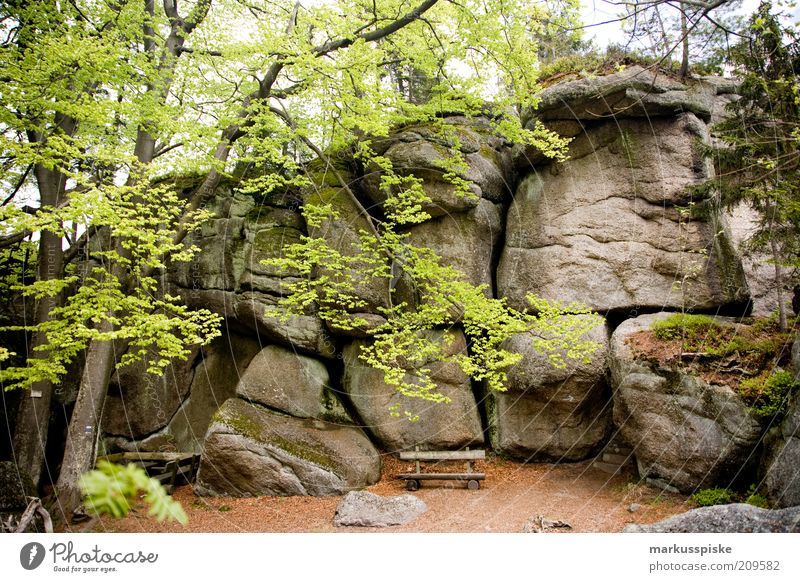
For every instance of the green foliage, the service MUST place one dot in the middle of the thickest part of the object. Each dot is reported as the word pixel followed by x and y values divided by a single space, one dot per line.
pixel 759 156
pixel 403 347
pixel 768 394
pixel 144 220
pixel 753 497
pixel 685 326
pixel 723 496
pixel 715 496
pixel 116 97
pixel 86 92
pixel 110 489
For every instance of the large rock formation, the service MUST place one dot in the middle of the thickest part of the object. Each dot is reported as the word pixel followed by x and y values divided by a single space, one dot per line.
pixel 614 228
pixel 449 425
pixel 140 403
pixel 467 241
pixel 419 150
pixel 250 451
pixel 291 383
pixel 216 373
pixel 686 434
pixel 227 275
pixel 552 413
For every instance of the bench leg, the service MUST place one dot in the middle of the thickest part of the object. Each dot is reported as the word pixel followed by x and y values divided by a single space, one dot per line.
pixel 412 485
pixel 473 484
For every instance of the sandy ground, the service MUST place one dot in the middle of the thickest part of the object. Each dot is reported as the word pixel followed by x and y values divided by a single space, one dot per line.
pixel 586 498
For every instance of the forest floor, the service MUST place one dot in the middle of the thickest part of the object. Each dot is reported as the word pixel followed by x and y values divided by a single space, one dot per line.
pixel 513 493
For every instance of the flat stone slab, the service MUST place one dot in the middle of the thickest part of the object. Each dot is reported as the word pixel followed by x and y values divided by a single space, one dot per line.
pixel 365 509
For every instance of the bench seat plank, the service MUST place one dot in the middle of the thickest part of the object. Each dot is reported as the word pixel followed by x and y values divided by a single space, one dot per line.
pixel 477 455
pixel 456 476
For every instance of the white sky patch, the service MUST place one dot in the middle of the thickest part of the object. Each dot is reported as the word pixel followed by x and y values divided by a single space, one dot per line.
pixel 602 20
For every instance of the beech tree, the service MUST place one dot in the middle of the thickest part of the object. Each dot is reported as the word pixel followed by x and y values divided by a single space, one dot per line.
pixel 104 100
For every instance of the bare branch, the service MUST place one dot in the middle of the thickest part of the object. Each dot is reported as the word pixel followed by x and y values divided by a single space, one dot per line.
pixel 13 239
pixel 708 6
pixel 378 34
pixel 162 149
pixel 19 185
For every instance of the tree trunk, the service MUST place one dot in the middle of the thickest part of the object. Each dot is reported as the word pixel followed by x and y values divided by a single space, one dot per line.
pixel 33 417
pixel 684 42
pixel 769 210
pixel 84 427
pixel 782 319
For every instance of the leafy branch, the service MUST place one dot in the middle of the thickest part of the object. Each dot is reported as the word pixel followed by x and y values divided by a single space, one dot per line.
pixel 110 489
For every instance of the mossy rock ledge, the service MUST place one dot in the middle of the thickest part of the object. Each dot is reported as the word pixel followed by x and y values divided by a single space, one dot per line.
pixel 251 451
pixel 686 434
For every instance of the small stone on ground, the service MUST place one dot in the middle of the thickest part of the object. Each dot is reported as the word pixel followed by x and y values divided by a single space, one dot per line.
pixel 365 509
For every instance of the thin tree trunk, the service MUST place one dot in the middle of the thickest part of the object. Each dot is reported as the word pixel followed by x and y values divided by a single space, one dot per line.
pixel 782 319
pixel 776 256
pixel 685 43
pixel 33 417
pixel 84 426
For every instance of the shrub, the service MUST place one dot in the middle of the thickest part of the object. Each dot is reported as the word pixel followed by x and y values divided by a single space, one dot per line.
pixel 756 499
pixel 682 325
pixel 768 395
pixel 722 496
pixel 715 496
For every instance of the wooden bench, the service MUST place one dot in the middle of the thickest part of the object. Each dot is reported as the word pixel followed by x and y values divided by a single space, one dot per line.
pixel 472 478
pixel 169 469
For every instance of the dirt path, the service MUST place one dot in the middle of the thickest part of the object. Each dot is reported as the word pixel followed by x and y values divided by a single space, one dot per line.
pixel 586 498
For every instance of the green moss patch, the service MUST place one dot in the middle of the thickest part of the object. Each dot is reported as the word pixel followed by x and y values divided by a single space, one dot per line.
pixel 750 358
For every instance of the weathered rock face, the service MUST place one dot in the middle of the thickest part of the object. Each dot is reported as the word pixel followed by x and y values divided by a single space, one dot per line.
pixel 633 92
pixel 467 241
pixel 292 383
pixel 344 235
pixel 440 426
pixel 782 475
pixel 227 276
pixel 608 229
pixel 781 480
pixel 221 364
pixel 734 518
pixel 250 451
pixel 550 413
pixel 365 509
pixel 685 433
pixel 140 403
pixel 418 149
pixel 758 271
